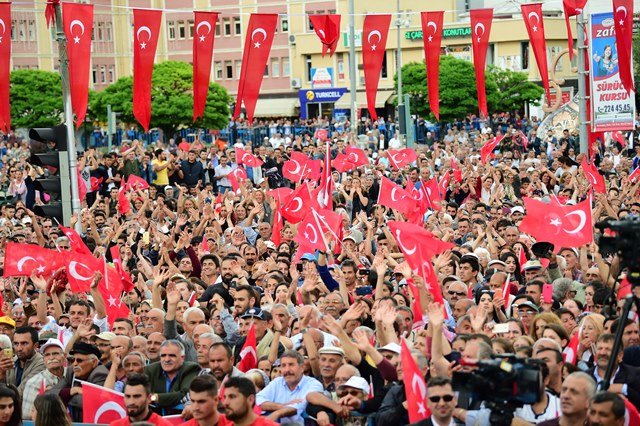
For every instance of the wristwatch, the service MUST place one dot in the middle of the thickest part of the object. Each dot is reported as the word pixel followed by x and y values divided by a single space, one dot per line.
pixel 154 397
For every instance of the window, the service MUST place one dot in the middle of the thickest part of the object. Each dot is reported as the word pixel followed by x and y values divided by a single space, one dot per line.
pixel 191 28
pixel 238 69
pixel 228 69
pixel 524 55
pixel 491 51
pixel 22 30
pixel 103 74
pixel 14 24
pixel 275 67
pixel 286 68
pixel 284 23
pixel 94 74
pixel 308 67
pixel 32 30
pixel 99 31
pixel 218 70
pixel 309 23
pixel 182 30
pixel 237 26
pixel 384 73
pixel 108 31
pixel 112 74
pixel 171 25
pixel 227 26
pixel 217 28
pixel 340 66
pixel 552 52
pixel 266 71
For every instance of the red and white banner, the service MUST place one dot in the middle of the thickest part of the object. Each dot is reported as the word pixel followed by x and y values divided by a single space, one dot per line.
pixel 5 67
pixel 623 23
pixel 257 47
pixel 203 40
pixel 415 386
pixel 571 8
pixel 22 259
pixel 77 21
pixel 374 43
pixel 480 31
pixel 101 405
pixel 146 31
pixel 327 28
pixel 532 15
pixel 432 39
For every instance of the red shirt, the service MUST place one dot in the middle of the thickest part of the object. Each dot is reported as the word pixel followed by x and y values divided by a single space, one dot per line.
pixel 222 421
pixel 154 418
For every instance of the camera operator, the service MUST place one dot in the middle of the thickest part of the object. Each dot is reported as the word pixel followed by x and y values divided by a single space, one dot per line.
pixel 625 380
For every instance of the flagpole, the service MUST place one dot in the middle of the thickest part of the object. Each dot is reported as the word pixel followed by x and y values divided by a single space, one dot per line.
pixel 353 76
pixel 582 85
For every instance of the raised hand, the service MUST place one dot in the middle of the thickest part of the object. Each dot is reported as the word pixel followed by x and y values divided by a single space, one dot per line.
pixel 173 295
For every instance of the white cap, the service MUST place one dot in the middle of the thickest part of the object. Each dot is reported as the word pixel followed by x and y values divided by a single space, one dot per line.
pixel 391 347
pixel 51 342
pixel 356 383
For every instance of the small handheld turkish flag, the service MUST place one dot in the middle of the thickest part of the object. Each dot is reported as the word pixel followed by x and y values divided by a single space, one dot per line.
pixel 249 352
pixel 245 157
pixel 415 386
pixel 101 405
pixel 395 197
pixel 22 259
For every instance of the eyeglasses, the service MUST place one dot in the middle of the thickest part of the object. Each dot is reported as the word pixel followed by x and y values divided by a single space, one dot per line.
pixel 351 392
pixel 437 398
pixel 72 360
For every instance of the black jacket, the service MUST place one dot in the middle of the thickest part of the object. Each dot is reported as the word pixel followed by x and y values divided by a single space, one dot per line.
pixel 626 375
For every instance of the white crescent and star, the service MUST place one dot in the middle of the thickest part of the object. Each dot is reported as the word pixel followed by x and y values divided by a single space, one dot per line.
pixel 203 24
pixel 78 23
pixel 583 220
pixel 143 29
pixel 73 271
pixel 624 9
pixel 298 200
pixel 531 15
pixel 321 32
pixel 393 194
pixel 406 250
pixel 23 260
pixel 262 31
pixel 315 234
pixel 435 29
pixel 374 33
pixel 477 28
pixel 297 169
pixel 109 406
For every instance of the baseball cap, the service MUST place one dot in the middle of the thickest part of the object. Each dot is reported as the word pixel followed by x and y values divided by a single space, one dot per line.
pixel 270 245
pixel 7 321
pixel 349 237
pixel 107 336
pixel 529 305
pixel 574 250
pixel 495 262
pixel 308 256
pixel 52 342
pixel 517 209
pixel 83 348
pixel 253 313
pixel 331 350
pixel 357 383
pixel 391 347
pixel 532 264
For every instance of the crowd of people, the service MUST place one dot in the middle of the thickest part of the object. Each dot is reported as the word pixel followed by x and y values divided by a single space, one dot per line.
pixel 209 273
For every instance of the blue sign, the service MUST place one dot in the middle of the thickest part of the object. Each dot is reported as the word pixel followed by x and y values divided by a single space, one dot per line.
pixel 316 96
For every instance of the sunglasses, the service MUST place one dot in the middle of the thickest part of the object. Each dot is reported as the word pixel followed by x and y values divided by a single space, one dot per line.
pixel 456 293
pixel 445 398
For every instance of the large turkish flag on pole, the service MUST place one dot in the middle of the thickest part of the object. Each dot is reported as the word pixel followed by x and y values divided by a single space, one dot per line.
pixel 532 15
pixel 432 39
pixel 77 21
pixel 257 47
pixel 327 28
pixel 623 22
pixel 5 67
pixel 146 30
pixel 374 43
pixel 480 30
pixel 205 23
pixel 571 8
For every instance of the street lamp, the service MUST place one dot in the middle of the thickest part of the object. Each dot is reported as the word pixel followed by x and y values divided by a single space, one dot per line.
pixel 403 20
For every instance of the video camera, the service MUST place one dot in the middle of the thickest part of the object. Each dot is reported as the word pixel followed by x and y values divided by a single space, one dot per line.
pixel 620 237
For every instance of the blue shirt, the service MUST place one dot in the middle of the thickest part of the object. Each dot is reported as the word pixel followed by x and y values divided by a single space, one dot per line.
pixel 277 391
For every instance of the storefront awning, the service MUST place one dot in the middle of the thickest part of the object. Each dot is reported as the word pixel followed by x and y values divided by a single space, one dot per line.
pixel 361 99
pixel 276 107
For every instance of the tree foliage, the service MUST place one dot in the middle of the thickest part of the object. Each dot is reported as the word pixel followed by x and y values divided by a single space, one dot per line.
pixel 171 99
pixel 506 90
pixel 36 98
pixel 636 65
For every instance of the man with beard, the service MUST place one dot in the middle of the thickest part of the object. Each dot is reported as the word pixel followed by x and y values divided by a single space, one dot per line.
pixel 221 361
pixel 243 300
pixel 154 342
pixel 625 380
pixel 54 358
pixel 606 409
pixel 203 393
pixel 239 401
pixel 250 255
pixel 223 284
pixel 29 361
pixel 441 402
pixel 137 397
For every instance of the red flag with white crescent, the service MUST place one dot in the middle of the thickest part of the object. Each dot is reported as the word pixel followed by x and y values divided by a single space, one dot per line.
pixel 124 205
pixel 203 41
pixel 245 157
pixel 395 197
pixel 571 8
pixel 487 149
pixel 21 259
pixel 532 15
pixel 374 43
pixel 146 31
pixel 327 28
pixel 480 29
pixel 401 157
pixel 310 233
pixel 101 405
pixel 77 21
pixel 414 385
pixel 249 352
pixel 432 39
pixel 635 175
pixel 325 192
pixel 237 177
pixel 257 47
pixel 593 176
pixel 623 23
pixel 5 67
pixel 570 353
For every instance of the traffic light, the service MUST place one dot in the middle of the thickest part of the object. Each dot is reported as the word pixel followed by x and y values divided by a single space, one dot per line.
pixel 50 152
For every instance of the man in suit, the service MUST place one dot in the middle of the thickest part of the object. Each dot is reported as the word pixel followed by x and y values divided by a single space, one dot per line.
pixel 84 365
pixel 441 401
pixel 625 380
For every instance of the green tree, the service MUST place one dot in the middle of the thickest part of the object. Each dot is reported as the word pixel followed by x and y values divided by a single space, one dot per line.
pixel 36 98
pixel 515 90
pixel 636 65
pixel 171 100
pixel 458 93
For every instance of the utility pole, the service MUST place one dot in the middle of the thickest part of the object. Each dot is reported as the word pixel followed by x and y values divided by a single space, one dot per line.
pixel 401 120
pixel 583 76
pixel 68 117
pixel 352 68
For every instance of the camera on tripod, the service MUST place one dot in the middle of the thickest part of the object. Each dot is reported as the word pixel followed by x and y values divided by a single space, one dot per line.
pixel 620 237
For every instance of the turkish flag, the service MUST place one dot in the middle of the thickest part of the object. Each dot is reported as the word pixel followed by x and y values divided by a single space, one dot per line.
pixel 5 67
pixel 631 416
pixel 124 205
pixel 417 302
pixel 280 194
pixel 570 353
pixel 619 137
pixel 249 352
pixel 203 40
pixel 432 39
pixel 356 156
pixel 325 190
pixel 564 226
pixel 532 15
pixel 21 259
pixel 415 386
pixel 457 173
pixel 395 197
pixel 236 177
pixel 571 8
pixel 310 233
pixel 136 182
pixel 127 282
pixel 146 30
pixel 245 157
pixel 312 170
pixel 298 204
pixel 101 405
pixel 432 245
pixel 80 269
pixel 77 21
pixel 401 157
pixel 322 134
pixel 431 190
pixel 635 175
pixel 443 184
pixel 342 164
pixel 525 140
pixel 595 178
pixel 422 203
pixel 374 42
pixel 257 47
pixel 75 241
pixel 293 168
pixel 481 28
pixel 623 23
pixel 624 289
pixel 111 287
pixel 487 149
pixel 327 28
pixel 204 245
pixel 278 224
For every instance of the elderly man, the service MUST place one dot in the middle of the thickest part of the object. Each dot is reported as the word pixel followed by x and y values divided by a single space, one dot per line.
pixel 577 389
pixel 625 380
pixel 457 291
pixel 191 318
pixel 203 343
pixel 84 365
pixel 170 378
pixel 54 359
pixel 154 341
pixel 293 385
